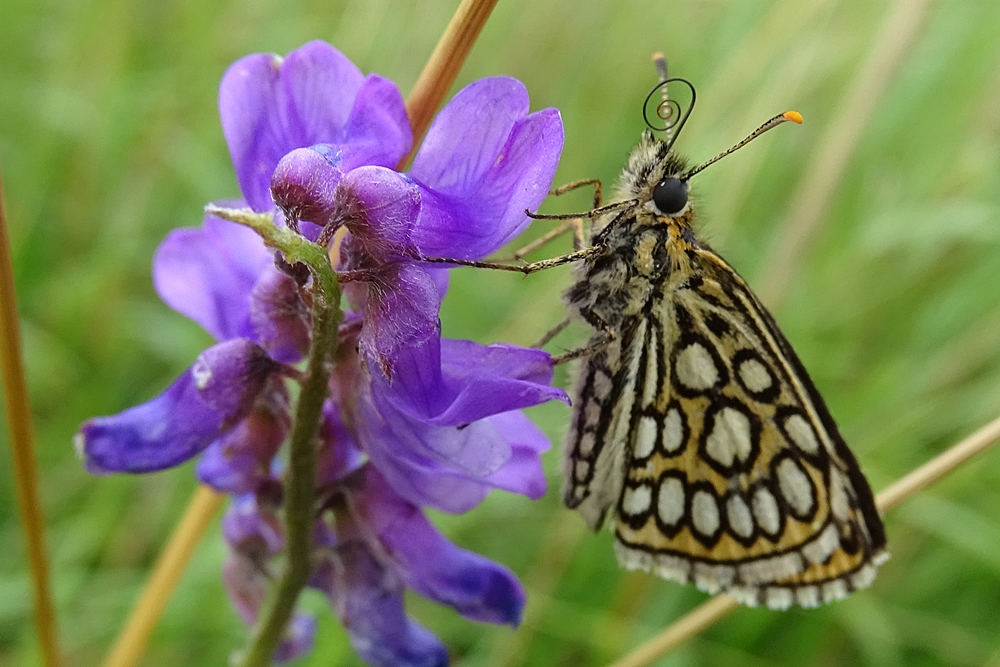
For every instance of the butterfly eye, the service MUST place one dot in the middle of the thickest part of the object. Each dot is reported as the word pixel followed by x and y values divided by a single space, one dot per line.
pixel 670 196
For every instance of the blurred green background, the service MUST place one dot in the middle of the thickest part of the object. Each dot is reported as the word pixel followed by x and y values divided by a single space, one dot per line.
pixel 873 231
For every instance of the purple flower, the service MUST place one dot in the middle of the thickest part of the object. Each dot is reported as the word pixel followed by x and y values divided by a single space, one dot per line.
pixel 411 419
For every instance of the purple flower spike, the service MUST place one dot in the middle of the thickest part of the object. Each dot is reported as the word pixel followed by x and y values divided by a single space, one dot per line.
pixel 409 419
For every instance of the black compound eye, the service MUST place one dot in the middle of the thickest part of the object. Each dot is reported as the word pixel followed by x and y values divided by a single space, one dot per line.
pixel 670 196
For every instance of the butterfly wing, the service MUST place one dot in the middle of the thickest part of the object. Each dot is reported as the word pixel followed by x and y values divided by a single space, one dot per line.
pixel 730 471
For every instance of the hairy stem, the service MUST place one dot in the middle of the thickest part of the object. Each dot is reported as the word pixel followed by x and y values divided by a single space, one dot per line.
pixel 301 477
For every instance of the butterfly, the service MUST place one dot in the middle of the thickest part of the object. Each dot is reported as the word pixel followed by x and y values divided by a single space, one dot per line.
pixel 695 427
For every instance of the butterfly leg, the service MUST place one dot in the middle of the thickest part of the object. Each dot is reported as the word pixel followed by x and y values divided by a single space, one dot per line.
pixel 604 337
pixel 552 333
pixel 576 224
pixel 520 268
pixel 569 187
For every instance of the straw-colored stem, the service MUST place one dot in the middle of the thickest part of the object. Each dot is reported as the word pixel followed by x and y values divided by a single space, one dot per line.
pixel 15 392
pixel 718 607
pixel 939 466
pixel 131 643
pixel 442 68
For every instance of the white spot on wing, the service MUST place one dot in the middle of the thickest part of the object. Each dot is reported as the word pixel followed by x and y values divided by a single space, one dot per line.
pixel 695 368
pixel 586 444
pixel 765 510
pixel 820 548
pixel 801 433
pixel 704 512
pixel 637 500
pixel 645 437
pixel 730 437
pixel 767 570
pixel 739 517
pixel 755 376
pixel 713 578
pixel 839 504
pixel 795 486
pixel 601 385
pixel 807 596
pixel 673 431
pixel 670 503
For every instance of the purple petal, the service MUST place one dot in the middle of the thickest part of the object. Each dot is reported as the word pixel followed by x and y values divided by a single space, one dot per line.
pixel 474 381
pixel 401 312
pixel 435 466
pixel 252 528
pixel 280 317
pixel 164 432
pixel 369 601
pixel 469 132
pixel 379 206
pixel 231 375
pixel 523 472
pixel 432 566
pixel 245 585
pixel 239 462
pixel 485 163
pixel 337 455
pixel 476 449
pixel 378 128
pixel 207 274
pixel 300 635
pixel 271 106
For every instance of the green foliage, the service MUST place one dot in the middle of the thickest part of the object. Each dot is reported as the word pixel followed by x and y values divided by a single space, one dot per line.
pixel 109 138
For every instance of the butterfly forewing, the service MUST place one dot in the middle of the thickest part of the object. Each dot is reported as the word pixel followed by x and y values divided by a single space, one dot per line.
pixel 700 431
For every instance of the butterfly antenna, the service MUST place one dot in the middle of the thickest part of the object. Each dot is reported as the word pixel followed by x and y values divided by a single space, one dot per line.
pixel 670 114
pixel 793 116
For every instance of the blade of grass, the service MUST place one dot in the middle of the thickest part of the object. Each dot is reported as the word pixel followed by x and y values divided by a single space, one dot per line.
pixel 15 392
pixel 708 613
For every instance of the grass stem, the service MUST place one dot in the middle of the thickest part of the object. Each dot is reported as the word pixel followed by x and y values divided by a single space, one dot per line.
pixel 15 391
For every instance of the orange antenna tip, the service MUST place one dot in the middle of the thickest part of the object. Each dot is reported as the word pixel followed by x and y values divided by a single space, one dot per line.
pixel 793 116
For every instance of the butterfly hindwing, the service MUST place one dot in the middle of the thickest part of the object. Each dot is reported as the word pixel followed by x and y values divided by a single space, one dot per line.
pixel 735 477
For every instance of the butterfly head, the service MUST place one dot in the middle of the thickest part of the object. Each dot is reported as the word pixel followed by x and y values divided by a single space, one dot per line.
pixel 655 175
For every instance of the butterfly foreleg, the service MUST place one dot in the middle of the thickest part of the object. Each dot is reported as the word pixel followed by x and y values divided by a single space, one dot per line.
pixel 531 267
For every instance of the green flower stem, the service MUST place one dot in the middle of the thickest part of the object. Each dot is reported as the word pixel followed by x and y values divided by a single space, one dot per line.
pixel 301 477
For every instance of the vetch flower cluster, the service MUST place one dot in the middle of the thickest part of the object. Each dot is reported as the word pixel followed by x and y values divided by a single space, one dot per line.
pixel 410 419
